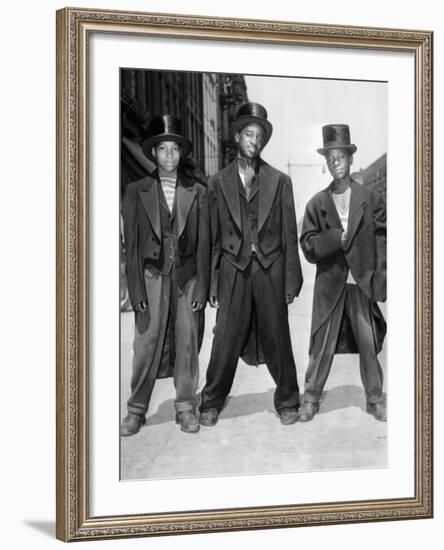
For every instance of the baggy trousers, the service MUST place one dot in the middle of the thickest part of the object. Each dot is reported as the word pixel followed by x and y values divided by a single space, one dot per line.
pixel 242 294
pixel 169 312
pixel 355 304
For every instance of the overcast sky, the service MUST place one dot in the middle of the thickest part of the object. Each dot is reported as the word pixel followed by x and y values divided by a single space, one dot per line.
pixel 299 107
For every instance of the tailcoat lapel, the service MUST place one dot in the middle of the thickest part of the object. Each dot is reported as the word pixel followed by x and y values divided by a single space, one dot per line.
pixel 150 200
pixel 268 180
pixel 356 211
pixel 230 189
pixel 329 211
pixel 185 195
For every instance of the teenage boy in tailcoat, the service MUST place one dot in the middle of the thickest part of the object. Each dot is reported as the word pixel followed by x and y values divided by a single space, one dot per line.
pixel 344 234
pixel 255 270
pixel 167 243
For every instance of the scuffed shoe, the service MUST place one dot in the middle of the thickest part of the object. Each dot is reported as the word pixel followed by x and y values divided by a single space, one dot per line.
pixel 308 410
pixel 378 410
pixel 288 416
pixel 188 422
pixel 209 417
pixel 131 424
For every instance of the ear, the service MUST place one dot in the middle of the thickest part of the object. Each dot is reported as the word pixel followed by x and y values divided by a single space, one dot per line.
pixel 237 137
pixel 153 151
pixel 351 159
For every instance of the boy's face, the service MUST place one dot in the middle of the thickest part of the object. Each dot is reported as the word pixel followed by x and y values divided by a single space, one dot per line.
pixel 250 141
pixel 167 155
pixel 338 162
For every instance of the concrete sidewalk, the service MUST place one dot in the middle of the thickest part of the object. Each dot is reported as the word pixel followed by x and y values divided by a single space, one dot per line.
pixel 248 438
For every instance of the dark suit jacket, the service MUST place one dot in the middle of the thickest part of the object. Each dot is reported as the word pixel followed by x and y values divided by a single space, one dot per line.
pixel 365 253
pixel 144 244
pixel 276 224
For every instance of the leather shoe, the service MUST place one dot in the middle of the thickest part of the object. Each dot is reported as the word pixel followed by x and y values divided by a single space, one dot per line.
pixel 288 416
pixel 378 410
pixel 188 421
pixel 209 417
pixel 308 410
pixel 131 424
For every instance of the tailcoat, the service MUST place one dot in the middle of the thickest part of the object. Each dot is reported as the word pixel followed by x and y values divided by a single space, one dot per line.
pixel 160 244
pixel 277 232
pixel 254 265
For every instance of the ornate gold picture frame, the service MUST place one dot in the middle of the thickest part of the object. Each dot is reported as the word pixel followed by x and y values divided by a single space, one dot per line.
pixel 76 519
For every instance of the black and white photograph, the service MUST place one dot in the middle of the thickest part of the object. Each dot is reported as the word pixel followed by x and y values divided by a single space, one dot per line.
pixel 244 252
pixel 253 297
pixel 222 228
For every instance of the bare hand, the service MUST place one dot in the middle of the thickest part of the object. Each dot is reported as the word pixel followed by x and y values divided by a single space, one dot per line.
pixel 196 306
pixel 141 307
pixel 214 302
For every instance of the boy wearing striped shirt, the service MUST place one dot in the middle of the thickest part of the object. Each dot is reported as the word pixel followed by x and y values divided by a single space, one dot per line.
pixel 166 228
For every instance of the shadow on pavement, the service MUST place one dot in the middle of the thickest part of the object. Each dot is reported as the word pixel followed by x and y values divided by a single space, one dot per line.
pixel 165 413
pixel 342 397
pixel 246 404
pixel 239 405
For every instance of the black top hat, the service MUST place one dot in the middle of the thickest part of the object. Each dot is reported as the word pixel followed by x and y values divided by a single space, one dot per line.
pixel 253 112
pixel 336 136
pixel 165 128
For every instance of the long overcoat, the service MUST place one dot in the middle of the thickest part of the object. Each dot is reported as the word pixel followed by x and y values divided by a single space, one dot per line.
pixel 364 255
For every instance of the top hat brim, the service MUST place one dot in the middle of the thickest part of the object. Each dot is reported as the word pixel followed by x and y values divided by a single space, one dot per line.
pixel 245 120
pixel 351 148
pixel 148 144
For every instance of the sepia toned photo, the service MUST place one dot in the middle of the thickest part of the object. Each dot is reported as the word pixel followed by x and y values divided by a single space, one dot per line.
pixel 253 302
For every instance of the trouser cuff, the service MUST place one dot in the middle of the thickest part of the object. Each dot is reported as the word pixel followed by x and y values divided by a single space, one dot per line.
pixel 375 399
pixel 136 412
pixel 310 398
pixel 185 406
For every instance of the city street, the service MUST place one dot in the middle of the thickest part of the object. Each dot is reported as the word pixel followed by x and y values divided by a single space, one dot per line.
pixel 249 438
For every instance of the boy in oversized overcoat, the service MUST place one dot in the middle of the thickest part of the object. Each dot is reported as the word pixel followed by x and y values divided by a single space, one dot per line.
pixel 167 242
pixel 344 234
pixel 255 271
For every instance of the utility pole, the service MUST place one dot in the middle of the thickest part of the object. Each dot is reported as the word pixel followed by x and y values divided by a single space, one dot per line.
pixel 290 165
